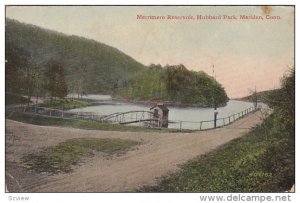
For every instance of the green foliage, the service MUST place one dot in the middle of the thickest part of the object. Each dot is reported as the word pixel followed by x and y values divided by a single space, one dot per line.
pixel 15 99
pixel 145 85
pixel 174 84
pixel 22 75
pixel 178 80
pixel 260 96
pixel 93 67
pixel 279 160
pixel 99 67
pixel 283 101
pixel 56 83
pixel 16 62
pixel 260 161
pixel 62 157
pixel 83 124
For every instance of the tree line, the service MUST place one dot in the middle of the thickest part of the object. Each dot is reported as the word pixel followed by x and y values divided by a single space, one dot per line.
pixel 24 76
pixel 174 83
pixel 89 66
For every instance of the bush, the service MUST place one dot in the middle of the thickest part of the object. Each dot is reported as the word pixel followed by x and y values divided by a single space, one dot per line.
pixel 15 99
pixel 279 160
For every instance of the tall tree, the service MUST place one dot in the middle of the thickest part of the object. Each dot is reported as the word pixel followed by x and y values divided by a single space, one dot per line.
pixel 283 101
pixel 177 81
pixel 56 82
pixel 16 61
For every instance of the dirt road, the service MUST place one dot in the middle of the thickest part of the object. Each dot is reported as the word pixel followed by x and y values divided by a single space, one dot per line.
pixel 157 156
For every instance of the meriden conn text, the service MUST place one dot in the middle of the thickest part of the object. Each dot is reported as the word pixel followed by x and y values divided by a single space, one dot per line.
pixel 207 17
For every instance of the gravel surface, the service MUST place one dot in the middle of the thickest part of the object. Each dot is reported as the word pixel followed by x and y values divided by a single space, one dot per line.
pixel 159 155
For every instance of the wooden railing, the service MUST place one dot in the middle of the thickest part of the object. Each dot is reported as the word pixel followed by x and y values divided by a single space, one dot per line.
pixel 139 117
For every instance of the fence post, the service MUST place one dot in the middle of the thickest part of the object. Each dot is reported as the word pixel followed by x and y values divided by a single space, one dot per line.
pixel 180 125
pixel 215 119
pixel 200 125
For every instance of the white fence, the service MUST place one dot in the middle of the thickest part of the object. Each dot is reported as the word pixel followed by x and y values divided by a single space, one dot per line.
pixel 173 124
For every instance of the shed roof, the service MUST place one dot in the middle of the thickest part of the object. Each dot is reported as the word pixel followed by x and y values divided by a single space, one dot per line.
pixel 161 106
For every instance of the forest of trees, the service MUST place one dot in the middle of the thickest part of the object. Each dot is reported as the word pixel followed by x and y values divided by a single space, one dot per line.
pixel 24 76
pixel 40 62
pixel 56 84
pixel 89 66
pixel 174 84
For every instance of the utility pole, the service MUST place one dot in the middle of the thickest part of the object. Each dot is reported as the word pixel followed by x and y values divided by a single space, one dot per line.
pixel 255 98
pixel 126 73
pixel 215 102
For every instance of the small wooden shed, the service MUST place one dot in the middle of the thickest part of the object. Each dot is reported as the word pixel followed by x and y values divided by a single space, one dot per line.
pixel 160 114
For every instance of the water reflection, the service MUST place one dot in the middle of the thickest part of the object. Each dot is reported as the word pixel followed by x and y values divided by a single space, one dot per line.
pixel 192 116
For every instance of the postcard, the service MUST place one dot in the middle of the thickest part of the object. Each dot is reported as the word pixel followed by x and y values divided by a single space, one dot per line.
pixel 150 99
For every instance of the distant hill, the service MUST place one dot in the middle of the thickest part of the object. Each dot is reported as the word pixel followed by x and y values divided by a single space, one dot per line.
pixel 263 96
pixel 98 67
pixel 93 67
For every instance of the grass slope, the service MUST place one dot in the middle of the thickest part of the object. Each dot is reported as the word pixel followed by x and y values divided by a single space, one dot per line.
pixel 62 157
pixel 82 124
pixel 11 99
pixel 261 161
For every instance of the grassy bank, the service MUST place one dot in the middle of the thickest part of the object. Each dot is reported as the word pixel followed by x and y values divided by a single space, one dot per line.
pixel 261 161
pixel 82 124
pixel 62 157
pixel 11 99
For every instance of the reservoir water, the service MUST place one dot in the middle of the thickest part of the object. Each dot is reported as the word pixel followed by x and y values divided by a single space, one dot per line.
pixel 190 116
